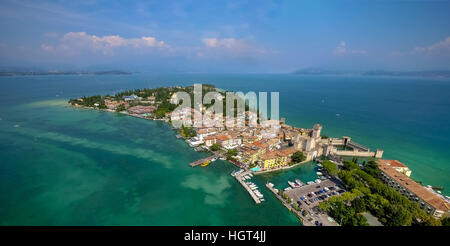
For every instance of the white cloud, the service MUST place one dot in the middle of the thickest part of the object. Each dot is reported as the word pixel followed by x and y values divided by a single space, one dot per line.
pixel 229 43
pixel 238 48
pixel 80 41
pixel 440 47
pixel 342 49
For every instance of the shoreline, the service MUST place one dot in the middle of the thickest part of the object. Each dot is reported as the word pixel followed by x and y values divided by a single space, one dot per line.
pixel 167 121
pixel 283 168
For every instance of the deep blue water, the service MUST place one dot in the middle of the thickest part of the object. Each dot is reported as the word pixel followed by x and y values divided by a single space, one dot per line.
pixel 96 168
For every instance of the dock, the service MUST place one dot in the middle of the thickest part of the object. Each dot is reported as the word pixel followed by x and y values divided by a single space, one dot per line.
pixel 201 161
pixel 239 179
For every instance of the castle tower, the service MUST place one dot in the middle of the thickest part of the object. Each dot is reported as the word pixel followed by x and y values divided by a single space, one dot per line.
pixel 378 153
pixel 346 140
pixel 310 144
pixel 316 131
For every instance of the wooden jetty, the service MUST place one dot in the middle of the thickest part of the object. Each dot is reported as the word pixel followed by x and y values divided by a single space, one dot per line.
pixel 201 161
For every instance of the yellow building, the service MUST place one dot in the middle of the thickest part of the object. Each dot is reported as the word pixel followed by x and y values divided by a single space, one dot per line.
pixel 277 158
pixel 253 155
pixel 274 159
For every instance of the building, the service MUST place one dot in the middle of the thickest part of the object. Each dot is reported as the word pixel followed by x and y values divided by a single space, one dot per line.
pixel 434 204
pixel 112 105
pixel 209 140
pixel 141 109
pixel 277 158
pixel 204 132
pixel 131 98
pixel 273 160
pixel 223 140
pixel 251 152
pixel 398 166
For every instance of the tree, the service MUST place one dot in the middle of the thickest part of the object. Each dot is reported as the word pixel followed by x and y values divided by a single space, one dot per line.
pixel 160 113
pixel 330 168
pixel 398 216
pixel 359 204
pixel 120 108
pixel 214 147
pixel 371 168
pixel 231 153
pixel 350 165
pixel 298 157
pixel 188 132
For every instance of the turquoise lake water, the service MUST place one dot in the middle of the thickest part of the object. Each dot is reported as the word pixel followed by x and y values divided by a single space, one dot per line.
pixel 65 166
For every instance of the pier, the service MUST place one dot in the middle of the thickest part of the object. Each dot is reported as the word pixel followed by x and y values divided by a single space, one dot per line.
pixel 239 178
pixel 201 161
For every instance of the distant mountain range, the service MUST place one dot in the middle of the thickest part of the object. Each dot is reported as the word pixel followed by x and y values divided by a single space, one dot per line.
pixel 435 73
pixel 37 73
pixel 429 73
pixel 317 71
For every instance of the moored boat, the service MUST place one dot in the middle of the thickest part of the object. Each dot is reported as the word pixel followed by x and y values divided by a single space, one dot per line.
pixel 205 164
pixel 293 185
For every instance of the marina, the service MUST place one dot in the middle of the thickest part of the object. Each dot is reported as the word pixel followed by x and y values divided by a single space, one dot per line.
pixel 251 188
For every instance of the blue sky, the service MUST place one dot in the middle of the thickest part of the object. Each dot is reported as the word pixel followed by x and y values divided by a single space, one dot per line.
pixel 226 36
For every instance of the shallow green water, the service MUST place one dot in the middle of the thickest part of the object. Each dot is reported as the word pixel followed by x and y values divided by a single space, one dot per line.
pixel 66 166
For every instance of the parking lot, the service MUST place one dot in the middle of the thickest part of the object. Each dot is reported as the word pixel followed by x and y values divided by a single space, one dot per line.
pixel 309 196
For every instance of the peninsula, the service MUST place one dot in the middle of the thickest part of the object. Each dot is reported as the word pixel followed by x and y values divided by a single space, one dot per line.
pixel 273 145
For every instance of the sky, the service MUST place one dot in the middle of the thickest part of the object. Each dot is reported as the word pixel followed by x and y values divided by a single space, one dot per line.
pixel 241 36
